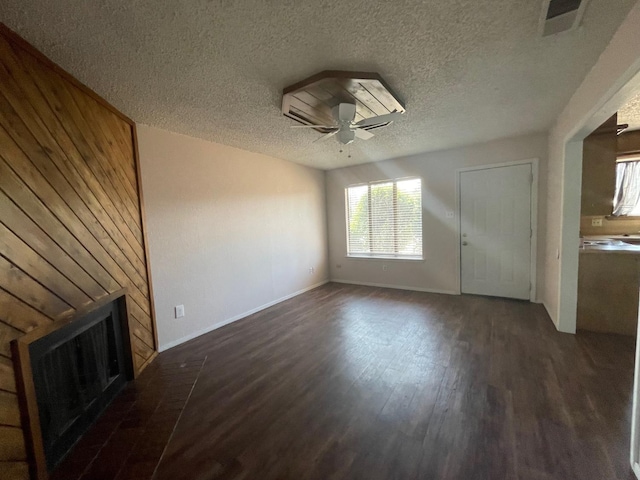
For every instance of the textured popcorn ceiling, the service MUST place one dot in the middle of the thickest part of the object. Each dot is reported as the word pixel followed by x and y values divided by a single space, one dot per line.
pixel 469 71
pixel 630 113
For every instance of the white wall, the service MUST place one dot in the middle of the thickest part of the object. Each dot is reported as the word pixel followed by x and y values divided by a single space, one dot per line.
pixel 438 272
pixel 613 78
pixel 229 231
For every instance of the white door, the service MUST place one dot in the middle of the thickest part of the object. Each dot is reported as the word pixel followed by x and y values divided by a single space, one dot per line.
pixel 495 231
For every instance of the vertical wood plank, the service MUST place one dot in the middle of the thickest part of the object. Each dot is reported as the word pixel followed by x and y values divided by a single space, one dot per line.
pixel 143 217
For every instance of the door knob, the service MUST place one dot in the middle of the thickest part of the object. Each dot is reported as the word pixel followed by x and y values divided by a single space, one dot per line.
pixel 465 243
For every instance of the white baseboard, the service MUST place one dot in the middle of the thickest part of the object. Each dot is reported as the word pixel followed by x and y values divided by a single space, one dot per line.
pixel 215 326
pixel 398 287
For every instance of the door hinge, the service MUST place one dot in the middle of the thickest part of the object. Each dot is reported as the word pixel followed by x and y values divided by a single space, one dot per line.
pixel 530 232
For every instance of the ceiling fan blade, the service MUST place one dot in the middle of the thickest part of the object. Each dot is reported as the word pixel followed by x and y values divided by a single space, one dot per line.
pixel 324 137
pixel 380 119
pixel 314 126
pixel 363 134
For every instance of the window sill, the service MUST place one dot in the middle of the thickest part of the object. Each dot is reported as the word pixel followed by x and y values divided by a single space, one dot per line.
pixel 385 259
pixel 621 217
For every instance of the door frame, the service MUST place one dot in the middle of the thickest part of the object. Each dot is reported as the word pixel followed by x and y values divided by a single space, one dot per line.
pixel 533 273
pixel 599 97
pixel 635 413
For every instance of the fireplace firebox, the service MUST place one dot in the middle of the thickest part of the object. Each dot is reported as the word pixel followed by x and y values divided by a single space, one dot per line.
pixel 68 373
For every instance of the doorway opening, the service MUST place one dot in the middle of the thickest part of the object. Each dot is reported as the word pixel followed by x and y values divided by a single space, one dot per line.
pixel 590 298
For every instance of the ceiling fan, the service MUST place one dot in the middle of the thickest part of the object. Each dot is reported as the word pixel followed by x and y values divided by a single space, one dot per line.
pixel 346 130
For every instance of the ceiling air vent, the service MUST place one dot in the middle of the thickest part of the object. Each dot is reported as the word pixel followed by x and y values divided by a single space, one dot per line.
pixel 561 15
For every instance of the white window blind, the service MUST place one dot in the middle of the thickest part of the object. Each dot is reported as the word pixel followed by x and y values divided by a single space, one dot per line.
pixel 384 219
pixel 626 201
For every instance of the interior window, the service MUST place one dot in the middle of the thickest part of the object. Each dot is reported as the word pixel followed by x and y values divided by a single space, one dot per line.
pixel 384 219
pixel 626 201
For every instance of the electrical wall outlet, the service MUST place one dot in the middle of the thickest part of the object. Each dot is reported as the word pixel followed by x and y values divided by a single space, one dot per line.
pixel 449 214
pixel 596 222
pixel 311 270
pixel 179 311
pixel 384 268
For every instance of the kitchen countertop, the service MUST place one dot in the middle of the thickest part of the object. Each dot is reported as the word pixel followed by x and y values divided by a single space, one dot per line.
pixel 611 244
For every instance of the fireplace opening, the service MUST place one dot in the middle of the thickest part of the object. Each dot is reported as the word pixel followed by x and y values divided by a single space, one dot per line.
pixel 76 370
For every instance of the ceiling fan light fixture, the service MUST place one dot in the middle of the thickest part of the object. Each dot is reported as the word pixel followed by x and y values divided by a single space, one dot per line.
pixel 346 136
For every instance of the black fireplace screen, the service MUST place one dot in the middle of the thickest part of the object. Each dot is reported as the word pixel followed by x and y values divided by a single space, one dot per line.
pixel 77 371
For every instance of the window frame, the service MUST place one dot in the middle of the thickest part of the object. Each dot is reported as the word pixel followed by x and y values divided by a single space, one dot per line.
pixel 634 157
pixel 383 256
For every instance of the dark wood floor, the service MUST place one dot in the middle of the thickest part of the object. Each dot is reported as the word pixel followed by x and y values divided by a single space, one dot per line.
pixel 348 382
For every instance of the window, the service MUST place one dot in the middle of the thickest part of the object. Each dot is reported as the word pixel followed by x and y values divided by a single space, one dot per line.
pixel 626 201
pixel 384 219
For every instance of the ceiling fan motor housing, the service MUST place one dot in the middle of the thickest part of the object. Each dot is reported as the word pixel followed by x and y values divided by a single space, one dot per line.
pixel 344 112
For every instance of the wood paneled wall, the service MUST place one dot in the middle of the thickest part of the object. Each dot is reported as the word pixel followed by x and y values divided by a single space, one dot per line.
pixel 71 222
